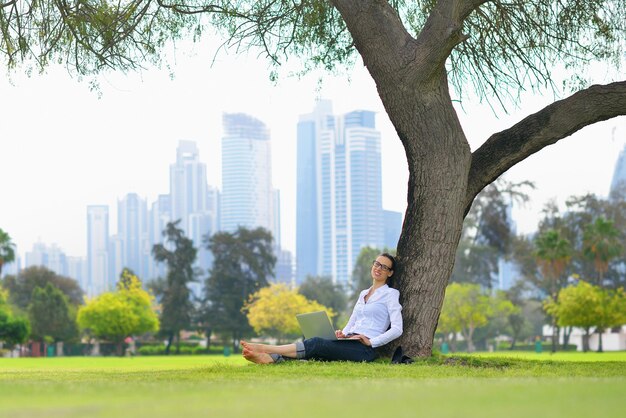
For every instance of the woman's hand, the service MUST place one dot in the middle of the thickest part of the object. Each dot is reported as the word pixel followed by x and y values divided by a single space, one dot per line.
pixel 364 340
pixel 339 334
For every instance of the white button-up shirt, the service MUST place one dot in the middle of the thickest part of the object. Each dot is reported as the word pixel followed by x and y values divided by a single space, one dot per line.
pixel 374 317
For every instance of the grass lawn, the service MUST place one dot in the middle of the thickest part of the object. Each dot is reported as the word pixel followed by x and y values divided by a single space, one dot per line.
pixel 482 385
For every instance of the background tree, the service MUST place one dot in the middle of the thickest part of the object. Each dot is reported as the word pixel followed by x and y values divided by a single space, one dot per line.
pixel 553 254
pixel 362 272
pixel 322 290
pixel 414 51
pixel 601 243
pixel 127 280
pixel 487 234
pixel 51 316
pixel 116 315
pixel 13 329
pixel 582 211
pixel 272 311
pixel 467 308
pixel 587 306
pixel 21 288
pixel 7 249
pixel 176 306
pixel 243 261
pixel 516 319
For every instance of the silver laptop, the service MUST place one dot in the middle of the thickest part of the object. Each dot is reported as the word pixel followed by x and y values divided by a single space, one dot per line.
pixel 317 324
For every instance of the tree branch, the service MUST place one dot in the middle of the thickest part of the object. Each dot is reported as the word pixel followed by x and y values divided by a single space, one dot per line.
pixel 442 32
pixel 551 124
pixel 379 35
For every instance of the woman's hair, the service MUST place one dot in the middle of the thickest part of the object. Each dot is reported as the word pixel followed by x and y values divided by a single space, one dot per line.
pixel 393 267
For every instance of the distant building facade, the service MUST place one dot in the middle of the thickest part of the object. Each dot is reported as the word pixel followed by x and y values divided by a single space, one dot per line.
pixel 248 198
pixel 51 257
pixel 619 173
pixel 339 198
pixel 98 279
pixel 393 228
pixel 132 233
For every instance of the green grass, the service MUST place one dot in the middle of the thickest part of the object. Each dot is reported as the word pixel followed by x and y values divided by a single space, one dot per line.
pixel 481 385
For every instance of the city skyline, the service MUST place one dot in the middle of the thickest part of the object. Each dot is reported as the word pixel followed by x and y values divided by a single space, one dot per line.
pixel 84 150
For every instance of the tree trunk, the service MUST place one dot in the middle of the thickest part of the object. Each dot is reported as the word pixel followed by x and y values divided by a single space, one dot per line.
pixel 208 333
pixel 236 340
pixel 178 342
pixel 586 340
pixel 170 338
pixel 453 343
pixel 435 211
pixel 470 341
pixel 566 334
pixel 600 331
pixel 555 335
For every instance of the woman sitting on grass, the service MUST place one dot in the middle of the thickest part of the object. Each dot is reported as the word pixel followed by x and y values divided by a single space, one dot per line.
pixel 376 320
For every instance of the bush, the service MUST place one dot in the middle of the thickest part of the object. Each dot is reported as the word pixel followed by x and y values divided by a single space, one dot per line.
pixel 545 346
pixel 185 349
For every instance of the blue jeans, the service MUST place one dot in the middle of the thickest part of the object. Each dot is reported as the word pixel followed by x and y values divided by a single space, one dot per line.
pixel 317 348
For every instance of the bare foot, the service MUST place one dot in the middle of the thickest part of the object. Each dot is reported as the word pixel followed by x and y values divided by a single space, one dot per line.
pixel 258 348
pixel 256 357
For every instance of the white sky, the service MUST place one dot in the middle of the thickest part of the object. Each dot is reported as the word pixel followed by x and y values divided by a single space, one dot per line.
pixel 63 148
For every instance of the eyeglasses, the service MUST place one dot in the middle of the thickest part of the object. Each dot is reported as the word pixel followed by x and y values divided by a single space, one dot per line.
pixel 381 266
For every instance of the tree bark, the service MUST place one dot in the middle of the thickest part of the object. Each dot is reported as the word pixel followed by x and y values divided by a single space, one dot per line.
pixel 567 331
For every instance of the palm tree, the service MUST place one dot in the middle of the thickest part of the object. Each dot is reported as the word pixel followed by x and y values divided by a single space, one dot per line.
pixel 7 249
pixel 553 254
pixel 601 244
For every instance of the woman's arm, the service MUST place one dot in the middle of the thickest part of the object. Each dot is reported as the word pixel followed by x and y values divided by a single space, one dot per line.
pixel 395 317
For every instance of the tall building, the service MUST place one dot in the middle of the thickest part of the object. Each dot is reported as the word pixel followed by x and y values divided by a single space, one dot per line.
pixel 393 228
pixel 51 257
pixel 248 198
pixel 116 256
pixel 191 199
pixel 158 218
pixel 188 184
pixel 13 268
pixel 339 202
pixel 619 173
pixel 132 231
pixel 98 279
pixel 307 191
pixel 77 270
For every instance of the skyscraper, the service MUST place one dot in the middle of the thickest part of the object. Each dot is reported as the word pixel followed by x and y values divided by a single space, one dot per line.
pixel 159 217
pixel 77 270
pixel 339 196
pixel 191 199
pixel 619 173
pixel 247 196
pixel 307 191
pixel 132 231
pixel 51 257
pixel 188 184
pixel 393 228
pixel 98 280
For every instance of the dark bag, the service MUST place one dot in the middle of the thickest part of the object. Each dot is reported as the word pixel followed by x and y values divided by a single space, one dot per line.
pixel 399 357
